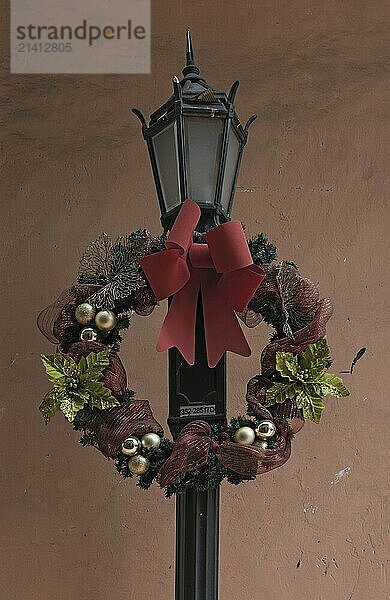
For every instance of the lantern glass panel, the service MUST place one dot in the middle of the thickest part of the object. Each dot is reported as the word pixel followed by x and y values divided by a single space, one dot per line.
pixel 203 143
pixel 167 159
pixel 233 153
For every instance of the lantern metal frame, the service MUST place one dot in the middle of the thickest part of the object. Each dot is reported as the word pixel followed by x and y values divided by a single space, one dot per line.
pixel 193 97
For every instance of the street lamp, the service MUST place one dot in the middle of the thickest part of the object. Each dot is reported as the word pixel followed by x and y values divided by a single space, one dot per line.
pixel 195 142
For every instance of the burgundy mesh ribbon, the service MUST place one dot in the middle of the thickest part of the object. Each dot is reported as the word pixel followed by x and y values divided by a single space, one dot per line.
pixel 53 320
pixel 300 339
pixel 298 342
pixel 130 418
pixel 289 417
pixel 195 441
pixel 307 304
pixel 145 301
pixel 304 300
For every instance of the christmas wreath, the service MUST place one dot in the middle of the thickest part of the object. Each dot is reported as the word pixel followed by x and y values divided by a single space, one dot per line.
pixel 236 277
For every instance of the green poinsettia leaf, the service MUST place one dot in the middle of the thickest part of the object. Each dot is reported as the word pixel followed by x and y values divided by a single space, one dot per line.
pixel 55 366
pixel 287 365
pixel 316 357
pixel 334 385
pixel 306 380
pixel 98 361
pixel 76 384
pixel 50 404
pixel 280 392
pixel 100 396
pixel 82 365
pixel 58 367
pixel 312 406
pixel 83 394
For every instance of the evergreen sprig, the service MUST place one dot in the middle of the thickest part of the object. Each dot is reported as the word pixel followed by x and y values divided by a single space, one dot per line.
pixel 262 251
pixel 208 477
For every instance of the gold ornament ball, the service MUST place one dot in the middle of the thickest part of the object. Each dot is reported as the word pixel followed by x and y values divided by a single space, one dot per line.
pixel 88 334
pixel 265 430
pixel 244 436
pixel 261 444
pixel 85 313
pixel 131 446
pixel 151 441
pixel 105 320
pixel 138 464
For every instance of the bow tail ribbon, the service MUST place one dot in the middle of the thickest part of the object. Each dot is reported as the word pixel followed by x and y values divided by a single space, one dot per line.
pixel 223 331
pixel 178 329
pixel 221 297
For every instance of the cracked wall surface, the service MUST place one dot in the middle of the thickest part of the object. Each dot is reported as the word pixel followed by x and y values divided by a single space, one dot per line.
pixel 314 178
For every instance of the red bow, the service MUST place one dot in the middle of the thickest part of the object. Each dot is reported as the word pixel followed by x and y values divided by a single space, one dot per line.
pixel 224 272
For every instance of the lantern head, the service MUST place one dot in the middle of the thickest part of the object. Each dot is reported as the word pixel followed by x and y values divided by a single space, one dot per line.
pixel 195 142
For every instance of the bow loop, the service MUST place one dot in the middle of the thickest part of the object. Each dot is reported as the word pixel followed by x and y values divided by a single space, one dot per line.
pixel 157 267
pixel 228 247
pixel 167 271
pixel 180 235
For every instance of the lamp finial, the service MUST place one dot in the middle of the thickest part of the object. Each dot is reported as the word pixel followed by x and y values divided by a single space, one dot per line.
pixel 190 59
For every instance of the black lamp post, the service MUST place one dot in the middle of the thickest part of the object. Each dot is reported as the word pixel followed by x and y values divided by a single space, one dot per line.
pixel 195 142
